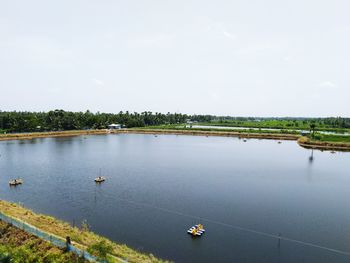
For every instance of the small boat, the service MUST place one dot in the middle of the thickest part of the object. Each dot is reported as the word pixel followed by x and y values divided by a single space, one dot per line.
pixel 15 182
pixel 245 140
pixel 196 230
pixel 100 179
pixel 332 151
pixel 279 142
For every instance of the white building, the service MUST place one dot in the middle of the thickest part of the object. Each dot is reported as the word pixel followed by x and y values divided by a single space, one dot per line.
pixel 114 126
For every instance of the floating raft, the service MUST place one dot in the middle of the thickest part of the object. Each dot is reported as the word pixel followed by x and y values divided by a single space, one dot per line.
pixel 100 179
pixel 196 230
pixel 15 182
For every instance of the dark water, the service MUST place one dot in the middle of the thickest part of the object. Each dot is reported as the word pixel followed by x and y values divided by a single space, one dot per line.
pixel 154 183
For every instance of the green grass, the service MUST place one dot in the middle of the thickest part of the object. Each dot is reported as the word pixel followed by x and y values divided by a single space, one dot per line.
pixel 332 138
pixel 19 246
pixel 81 237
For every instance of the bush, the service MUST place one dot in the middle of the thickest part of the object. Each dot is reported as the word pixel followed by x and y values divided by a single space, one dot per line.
pixel 101 250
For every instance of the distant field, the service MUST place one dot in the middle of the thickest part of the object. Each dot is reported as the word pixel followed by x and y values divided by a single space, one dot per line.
pixel 276 124
pixel 334 138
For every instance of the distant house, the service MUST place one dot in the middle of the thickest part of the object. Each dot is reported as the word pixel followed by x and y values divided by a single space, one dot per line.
pixel 114 126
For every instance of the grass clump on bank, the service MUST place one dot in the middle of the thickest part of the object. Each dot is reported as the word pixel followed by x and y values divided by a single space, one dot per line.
pixel 81 238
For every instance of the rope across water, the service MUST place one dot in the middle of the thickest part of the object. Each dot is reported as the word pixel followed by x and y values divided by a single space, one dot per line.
pixel 238 227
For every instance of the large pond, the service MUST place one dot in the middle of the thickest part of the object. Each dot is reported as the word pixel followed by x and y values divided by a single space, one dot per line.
pixel 245 193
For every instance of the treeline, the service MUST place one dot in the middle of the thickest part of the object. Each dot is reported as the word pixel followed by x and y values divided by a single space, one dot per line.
pixel 57 120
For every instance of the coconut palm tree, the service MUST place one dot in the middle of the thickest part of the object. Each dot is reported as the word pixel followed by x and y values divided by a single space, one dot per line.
pixel 312 128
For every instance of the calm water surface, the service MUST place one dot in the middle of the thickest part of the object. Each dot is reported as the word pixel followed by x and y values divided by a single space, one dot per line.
pixel 155 184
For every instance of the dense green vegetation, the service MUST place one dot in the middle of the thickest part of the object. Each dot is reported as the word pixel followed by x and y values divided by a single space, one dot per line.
pixel 65 120
pixel 59 120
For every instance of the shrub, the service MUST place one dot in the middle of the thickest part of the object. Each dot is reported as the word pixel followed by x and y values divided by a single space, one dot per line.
pixel 101 250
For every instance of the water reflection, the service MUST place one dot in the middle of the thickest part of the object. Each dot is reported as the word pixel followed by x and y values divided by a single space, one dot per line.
pixel 311 157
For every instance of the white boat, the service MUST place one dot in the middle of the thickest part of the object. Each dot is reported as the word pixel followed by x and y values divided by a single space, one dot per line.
pixel 200 227
pixel 100 178
pixel 15 182
pixel 196 230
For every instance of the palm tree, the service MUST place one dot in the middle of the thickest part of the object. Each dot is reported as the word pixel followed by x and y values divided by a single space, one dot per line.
pixel 312 128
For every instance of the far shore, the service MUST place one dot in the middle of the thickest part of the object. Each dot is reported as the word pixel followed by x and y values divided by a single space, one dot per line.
pixel 271 136
pixel 302 141
pixel 33 135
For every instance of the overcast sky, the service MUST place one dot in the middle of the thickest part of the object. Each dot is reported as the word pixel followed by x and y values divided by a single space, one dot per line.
pixel 223 57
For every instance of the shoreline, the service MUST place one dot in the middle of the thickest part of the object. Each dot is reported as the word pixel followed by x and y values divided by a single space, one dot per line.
pixel 34 135
pixel 323 146
pixel 81 238
pixel 302 141
pixel 269 136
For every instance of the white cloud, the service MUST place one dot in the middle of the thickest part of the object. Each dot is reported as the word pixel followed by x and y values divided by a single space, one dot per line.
pixel 229 35
pixel 98 83
pixel 54 90
pixel 160 40
pixel 287 58
pixel 327 85
pixel 220 28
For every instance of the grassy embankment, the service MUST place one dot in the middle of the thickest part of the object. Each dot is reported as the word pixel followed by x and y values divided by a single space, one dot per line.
pixel 276 124
pixel 320 141
pixel 19 246
pixel 32 135
pixel 81 238
pixel 326 142
pixel 181 127
pixel 170 129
